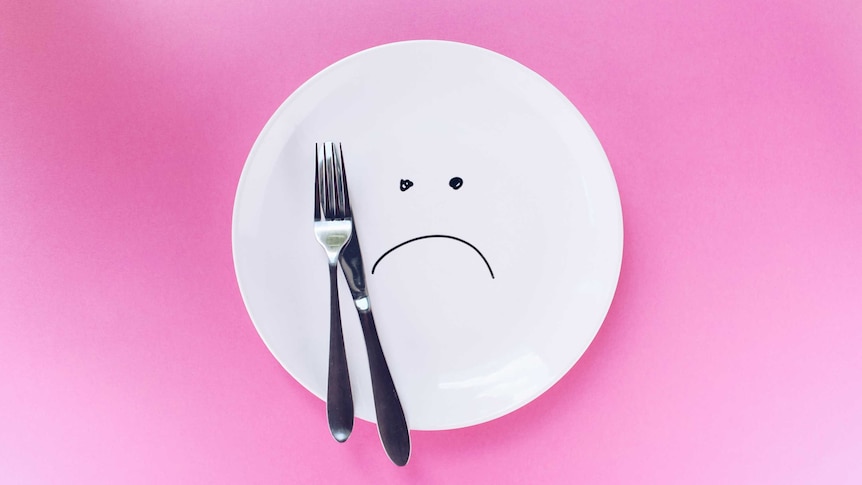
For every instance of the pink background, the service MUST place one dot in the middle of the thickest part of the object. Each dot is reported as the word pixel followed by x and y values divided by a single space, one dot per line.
pixel 731 353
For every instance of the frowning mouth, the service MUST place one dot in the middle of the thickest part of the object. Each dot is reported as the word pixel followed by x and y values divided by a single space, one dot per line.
pixel 474 248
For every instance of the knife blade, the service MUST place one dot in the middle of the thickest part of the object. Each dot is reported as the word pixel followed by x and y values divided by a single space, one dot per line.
pixel 391 423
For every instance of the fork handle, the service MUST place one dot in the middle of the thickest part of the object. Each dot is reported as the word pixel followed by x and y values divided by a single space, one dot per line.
pixel 339 398
pixel 391 423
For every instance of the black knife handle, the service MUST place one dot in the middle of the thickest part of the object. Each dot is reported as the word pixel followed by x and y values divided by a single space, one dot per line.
pixel 339 398
pixel 391 423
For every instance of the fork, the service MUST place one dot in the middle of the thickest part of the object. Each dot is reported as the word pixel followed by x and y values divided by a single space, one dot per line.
pixel 333 227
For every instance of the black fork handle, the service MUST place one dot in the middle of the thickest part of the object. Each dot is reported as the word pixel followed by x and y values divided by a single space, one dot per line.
pixel 391 423
pixel 339 398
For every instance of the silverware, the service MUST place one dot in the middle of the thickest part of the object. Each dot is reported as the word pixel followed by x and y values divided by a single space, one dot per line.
pixel 333 227
pixel 391 423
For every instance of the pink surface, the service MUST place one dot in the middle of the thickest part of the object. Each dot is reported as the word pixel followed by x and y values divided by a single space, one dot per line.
pixel 731 353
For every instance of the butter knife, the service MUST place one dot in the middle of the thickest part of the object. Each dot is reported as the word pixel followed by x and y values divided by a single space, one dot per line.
pixel 391 423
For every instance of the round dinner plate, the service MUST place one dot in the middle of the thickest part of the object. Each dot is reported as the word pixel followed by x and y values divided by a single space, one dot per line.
pixel 448 140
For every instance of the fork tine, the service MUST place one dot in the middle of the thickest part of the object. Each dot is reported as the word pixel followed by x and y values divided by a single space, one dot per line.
pixel 338 166
pixel 318 162
pixel 329 194
pixel 347 211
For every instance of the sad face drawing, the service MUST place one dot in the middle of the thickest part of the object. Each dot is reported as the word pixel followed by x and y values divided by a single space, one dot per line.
pixel 455 183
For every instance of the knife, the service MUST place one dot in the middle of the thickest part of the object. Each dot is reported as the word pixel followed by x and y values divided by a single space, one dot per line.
pixel 391 424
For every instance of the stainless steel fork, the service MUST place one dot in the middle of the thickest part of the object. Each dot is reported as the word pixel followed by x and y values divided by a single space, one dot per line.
pixel 333 227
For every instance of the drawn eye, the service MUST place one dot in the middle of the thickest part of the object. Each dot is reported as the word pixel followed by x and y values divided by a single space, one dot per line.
pixel 406 184
pixel 456 182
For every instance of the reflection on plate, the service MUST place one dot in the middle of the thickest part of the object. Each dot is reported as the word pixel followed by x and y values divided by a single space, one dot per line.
pixel 484 204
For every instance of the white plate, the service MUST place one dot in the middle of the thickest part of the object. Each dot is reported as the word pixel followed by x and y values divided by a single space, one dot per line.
pixel 538 200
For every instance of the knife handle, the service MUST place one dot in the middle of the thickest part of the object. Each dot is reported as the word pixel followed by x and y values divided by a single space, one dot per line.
pixel 391 423
pixel 339 398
